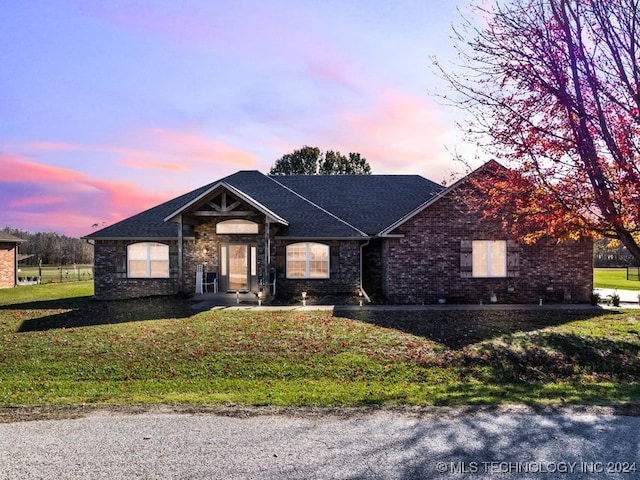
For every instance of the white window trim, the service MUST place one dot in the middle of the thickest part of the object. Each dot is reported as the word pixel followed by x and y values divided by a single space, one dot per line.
pixel 237 227
pixel 148 259
pixel 308 261
pixel 488 246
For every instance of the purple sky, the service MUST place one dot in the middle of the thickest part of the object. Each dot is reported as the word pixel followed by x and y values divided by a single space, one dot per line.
pixel 110 107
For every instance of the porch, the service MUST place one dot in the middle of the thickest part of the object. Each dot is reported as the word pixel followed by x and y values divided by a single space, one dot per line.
pixel 225 299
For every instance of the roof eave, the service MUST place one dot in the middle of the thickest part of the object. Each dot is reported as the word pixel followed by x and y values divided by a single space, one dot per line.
pixel 325 238
pixel 386 233
pixel 141 238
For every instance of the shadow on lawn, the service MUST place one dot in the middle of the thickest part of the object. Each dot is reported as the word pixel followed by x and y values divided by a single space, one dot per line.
pixel 458 328
pixel 549 356
pixel 86 312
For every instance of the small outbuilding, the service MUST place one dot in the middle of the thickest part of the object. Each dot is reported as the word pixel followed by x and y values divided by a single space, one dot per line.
pixel 9 260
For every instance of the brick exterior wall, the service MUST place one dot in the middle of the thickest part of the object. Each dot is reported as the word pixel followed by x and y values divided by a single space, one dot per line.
pixel 111 280
pixel 110 273
pixel 344 271
pixel 426 264
pixel 7 265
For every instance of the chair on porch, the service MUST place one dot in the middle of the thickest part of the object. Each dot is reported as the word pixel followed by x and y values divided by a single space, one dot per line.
pixel 210 279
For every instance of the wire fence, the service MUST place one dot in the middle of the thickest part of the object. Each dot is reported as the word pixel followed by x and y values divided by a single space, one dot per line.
pixel 54 274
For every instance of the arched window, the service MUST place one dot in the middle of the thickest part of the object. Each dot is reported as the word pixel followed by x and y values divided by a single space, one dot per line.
pixel 148 260
pixel 307 260
pixel 237 226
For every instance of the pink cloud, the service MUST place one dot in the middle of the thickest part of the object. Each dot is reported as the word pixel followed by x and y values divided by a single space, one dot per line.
pixel 191 145
pixel 400 131
pixel 15 169
pixel 54 146
pixel 138 164
pixel 166 20
pixel 66 200
pixel 158 149
pixel 29 201
pixel 332 70
pixel 239 29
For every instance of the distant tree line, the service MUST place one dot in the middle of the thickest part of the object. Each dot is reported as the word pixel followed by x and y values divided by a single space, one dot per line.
pixel 51 248
pixel 607 253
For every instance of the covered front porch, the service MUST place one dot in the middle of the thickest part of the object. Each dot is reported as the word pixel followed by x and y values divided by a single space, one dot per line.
pixel 225 245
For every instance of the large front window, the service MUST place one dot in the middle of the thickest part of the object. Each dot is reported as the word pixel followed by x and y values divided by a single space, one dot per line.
pixel 489 258
pixel 148 260
pixel 307 260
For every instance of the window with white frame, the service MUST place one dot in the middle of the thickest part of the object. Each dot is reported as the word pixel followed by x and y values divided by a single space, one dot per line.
pixel 307 260
pixel 236 227
pixel 148 260
pixel 489 258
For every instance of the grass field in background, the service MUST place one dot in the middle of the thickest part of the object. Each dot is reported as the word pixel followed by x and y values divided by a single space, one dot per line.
pixel 613 278
pixel 58 346
pixel 58 274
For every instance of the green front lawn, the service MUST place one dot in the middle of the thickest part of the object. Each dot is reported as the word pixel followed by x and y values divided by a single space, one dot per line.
pixel 613 278
pixel 73 350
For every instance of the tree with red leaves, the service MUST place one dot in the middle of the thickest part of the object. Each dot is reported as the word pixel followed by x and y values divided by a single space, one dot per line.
pixel 553 88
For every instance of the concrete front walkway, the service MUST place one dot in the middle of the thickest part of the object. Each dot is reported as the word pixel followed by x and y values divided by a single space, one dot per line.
pixel 628 299
pixel 626 296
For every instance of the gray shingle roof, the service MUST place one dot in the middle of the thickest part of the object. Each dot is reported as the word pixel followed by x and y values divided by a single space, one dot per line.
pixel 305 219
pixel 315 206
pixel 369 202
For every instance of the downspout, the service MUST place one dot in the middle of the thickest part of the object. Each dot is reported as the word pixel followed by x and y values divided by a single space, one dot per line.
pixel 362 268
pixel 15 265
pixel 267 254
pixel 180 250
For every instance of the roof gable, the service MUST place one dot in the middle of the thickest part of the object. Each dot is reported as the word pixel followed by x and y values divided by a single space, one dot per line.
pixel 215 189
pixel 488 167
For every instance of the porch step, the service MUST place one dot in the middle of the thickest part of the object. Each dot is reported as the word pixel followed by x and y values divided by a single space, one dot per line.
pixel 226 299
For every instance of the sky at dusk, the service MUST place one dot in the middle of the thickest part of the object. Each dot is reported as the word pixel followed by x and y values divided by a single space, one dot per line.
pixel 111 107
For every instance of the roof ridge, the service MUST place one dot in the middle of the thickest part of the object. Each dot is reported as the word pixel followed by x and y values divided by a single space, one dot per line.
pixel 333 215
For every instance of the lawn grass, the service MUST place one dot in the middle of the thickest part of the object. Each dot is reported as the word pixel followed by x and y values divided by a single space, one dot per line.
pixel 59 347
pixel 80 291
pixel 613 278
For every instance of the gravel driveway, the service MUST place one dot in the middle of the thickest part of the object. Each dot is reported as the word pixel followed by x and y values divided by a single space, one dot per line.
pixel 439 443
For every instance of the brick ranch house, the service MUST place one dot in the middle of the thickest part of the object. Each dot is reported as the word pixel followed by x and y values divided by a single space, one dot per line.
pixel 8 260
pixel 398 238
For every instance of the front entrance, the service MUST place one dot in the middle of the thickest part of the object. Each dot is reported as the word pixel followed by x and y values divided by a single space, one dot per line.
pixel 238 267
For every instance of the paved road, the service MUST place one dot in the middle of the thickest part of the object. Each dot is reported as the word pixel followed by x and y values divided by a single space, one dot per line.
pixel 408 444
